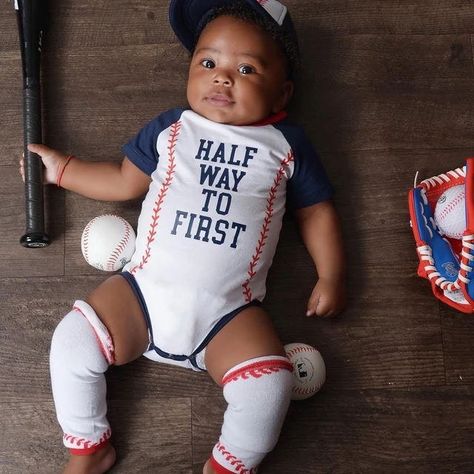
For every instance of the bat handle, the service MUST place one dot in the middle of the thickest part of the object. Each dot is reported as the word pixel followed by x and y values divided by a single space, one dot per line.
pixel 35 236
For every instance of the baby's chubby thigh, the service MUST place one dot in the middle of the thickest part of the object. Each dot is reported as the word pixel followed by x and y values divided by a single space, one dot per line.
pixel 118 308
pixel 248 335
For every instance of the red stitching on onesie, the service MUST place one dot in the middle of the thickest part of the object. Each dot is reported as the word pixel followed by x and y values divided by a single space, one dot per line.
pixel 251 272
pixel 172 140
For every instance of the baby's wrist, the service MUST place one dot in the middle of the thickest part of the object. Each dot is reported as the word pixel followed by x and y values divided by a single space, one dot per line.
pixel 333 278
pixel 62 168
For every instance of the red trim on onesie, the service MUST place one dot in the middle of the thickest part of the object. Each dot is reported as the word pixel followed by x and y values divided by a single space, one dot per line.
pixel 257 370
pixel 84 447
pixel 274 118
pixel 239 467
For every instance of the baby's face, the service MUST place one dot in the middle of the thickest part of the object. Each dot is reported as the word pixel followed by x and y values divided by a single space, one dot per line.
pixel 237 74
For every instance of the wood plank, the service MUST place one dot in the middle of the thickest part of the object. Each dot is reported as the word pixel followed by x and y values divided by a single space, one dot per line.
pixel 390 333
pixel 11 131
pixel 377 342
pixel 344 17
pixel 94 100
pixel 207 415
pixel 364 92
pixel 416 430
pixel 386 92
pixel 31 439
pixel 15 260
pixel 31 315
pixel 91 23
pixel 143 22
pixel 138 380
pixel 98 98
pixel 458 344
pixel 398 107
pixel 150 436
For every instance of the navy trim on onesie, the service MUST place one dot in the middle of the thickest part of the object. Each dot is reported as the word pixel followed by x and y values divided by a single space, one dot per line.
pixel 309 183
pixel 181 358
pixel 141 150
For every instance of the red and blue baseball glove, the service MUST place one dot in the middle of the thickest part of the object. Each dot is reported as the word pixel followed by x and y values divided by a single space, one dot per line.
pixel 447 263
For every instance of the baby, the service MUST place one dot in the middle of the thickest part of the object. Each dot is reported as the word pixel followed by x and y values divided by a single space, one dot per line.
pixel 217 178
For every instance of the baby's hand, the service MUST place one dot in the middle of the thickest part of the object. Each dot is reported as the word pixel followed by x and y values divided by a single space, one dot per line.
pixel 327 299
pixel 53 161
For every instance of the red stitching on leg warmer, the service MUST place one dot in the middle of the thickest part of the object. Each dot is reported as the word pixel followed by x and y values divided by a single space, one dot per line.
pixel 85 447
pixel 257 370
pixel 239 466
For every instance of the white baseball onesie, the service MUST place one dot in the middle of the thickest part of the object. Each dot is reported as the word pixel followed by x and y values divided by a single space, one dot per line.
pixel 210 222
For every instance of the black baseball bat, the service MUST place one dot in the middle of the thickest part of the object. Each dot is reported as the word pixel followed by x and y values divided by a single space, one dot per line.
pixel 31 17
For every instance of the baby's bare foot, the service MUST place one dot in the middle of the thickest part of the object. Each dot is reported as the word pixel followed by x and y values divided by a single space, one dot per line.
pixel 96 463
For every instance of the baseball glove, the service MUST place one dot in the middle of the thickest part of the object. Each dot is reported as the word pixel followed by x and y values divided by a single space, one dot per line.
pixel 446 263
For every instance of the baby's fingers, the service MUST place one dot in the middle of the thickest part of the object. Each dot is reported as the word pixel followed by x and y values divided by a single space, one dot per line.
pixel 323 308
pixel 313 304
pixel 320 305
pixel 39 149
pixel 22 167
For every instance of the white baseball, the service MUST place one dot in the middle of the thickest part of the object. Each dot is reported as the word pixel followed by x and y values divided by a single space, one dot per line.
pixel 108 242
pixel 309 369
pixel 450 212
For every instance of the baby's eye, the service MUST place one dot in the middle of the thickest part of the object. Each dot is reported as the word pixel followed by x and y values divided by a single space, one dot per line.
pixel 245 69
pixel 208 63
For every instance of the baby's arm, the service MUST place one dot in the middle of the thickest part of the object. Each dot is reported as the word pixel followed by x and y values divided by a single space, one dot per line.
pixel 321 233
pixel 105 181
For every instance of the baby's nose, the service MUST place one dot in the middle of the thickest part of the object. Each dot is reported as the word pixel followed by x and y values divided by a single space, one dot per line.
pixel 223 78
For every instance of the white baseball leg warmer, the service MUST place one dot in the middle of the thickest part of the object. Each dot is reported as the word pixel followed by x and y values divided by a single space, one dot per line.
pixel 258 392
pixel 81 352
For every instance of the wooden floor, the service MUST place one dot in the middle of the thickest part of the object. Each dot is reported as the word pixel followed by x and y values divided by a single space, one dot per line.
pixel 387 90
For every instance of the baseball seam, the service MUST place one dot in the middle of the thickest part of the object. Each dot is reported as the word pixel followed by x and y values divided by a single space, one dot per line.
pixel 85 239
pixel 299 350
pixel 305 391
pixel 452 205
pixel 117 252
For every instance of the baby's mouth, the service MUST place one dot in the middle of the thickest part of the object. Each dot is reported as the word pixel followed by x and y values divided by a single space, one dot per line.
pixel 219 100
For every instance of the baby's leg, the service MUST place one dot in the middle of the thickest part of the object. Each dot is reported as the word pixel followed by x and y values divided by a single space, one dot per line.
pixel 248 360
pixel 108 329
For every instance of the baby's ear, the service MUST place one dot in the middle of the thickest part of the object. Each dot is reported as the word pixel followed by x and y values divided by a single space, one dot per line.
pixel 285 96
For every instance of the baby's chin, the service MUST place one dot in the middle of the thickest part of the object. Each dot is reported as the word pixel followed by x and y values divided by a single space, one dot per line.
pixel 225 117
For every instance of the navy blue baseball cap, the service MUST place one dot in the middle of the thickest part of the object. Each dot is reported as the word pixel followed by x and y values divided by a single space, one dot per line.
pixel 187 17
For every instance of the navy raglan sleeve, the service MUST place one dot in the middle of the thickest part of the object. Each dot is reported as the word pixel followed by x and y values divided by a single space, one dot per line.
pixel 309 183
pixel 142 150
